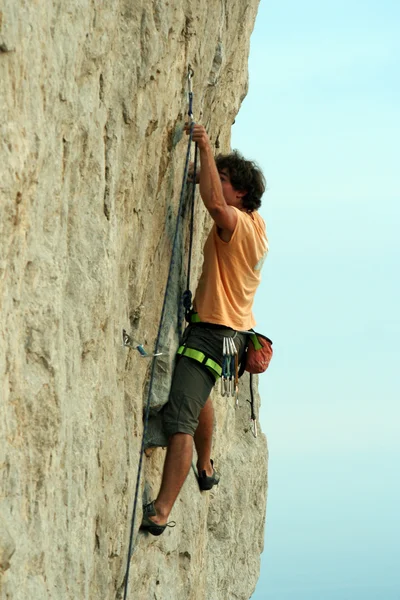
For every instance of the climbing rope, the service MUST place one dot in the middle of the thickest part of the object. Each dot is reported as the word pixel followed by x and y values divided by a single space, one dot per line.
pixel 187 294
pixel 194 174
pixel 156 348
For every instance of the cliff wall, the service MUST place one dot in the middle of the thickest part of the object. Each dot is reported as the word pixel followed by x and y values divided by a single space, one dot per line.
pixel 92 104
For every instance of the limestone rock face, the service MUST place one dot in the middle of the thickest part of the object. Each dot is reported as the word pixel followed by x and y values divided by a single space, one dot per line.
pixel 93 97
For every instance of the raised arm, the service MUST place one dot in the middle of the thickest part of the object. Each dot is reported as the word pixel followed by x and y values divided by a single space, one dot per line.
pixel 211 185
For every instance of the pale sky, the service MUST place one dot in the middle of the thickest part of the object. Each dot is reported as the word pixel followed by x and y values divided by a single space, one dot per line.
pixel 322 118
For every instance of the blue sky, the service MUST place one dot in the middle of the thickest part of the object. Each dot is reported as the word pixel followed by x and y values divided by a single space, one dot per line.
pixel 322 118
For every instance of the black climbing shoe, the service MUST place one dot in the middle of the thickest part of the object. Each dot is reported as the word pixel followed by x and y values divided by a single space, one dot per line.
pixel 207 482
pixel 149 525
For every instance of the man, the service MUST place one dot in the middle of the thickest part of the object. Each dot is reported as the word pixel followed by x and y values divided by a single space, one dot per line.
pixel 231 189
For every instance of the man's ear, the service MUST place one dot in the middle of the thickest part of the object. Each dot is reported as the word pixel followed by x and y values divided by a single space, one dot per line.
pixel 240 193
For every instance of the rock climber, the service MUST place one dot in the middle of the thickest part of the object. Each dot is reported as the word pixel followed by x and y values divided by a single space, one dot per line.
pixel 231 189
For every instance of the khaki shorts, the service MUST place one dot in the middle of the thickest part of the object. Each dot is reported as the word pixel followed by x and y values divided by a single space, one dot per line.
pixel 192 382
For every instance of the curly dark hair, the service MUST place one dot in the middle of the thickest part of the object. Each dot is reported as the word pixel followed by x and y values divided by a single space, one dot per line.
pixel 245 176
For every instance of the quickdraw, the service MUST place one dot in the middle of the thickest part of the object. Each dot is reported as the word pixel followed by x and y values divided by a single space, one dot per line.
pixel 190 93
pixel 128 342
pixel 253 417
pixel 230 369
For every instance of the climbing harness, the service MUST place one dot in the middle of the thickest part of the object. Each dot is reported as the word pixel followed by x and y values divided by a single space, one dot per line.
pixel 212 365
pixel 139 347
pixel 128 342
pixel 255 359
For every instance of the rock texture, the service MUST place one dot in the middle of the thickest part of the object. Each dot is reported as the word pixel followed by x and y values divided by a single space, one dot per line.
pixel 92 103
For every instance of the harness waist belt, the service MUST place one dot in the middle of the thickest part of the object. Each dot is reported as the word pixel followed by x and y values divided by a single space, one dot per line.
pixel 202 358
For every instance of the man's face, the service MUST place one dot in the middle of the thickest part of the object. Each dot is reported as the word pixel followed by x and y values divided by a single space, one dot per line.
pixel 232 197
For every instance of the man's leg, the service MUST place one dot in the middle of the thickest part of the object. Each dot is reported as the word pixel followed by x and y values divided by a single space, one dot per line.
pixel 203 438
pixel 191 386
pixel 176 468
pixel 178 461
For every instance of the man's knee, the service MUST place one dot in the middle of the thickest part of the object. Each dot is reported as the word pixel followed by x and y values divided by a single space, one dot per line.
pixel 180 438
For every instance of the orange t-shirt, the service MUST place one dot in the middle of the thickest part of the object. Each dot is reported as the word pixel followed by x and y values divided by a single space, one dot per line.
pixel 231 273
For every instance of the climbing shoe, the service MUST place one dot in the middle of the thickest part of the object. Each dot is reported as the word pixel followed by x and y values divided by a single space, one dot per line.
pixel 149 525
pixel 207 482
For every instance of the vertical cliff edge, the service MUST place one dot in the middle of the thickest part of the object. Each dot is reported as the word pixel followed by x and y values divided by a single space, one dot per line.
pixel 93 97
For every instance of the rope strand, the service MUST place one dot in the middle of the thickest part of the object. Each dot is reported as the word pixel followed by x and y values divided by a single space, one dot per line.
pixel 156 348
pixel 191 229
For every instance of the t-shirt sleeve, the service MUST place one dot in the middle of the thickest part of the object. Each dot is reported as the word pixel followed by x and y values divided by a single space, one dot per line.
pixel 244 226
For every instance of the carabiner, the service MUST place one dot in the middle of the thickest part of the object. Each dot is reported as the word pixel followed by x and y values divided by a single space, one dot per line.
pixel 128 342
pixel 222 386
pixel 190 93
